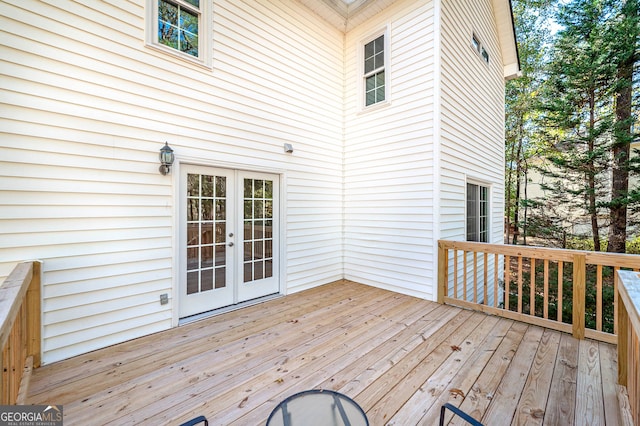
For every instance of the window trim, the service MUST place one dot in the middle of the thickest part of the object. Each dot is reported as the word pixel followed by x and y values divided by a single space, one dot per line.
pixel 479 231
pixel 362 76
pixel 205 32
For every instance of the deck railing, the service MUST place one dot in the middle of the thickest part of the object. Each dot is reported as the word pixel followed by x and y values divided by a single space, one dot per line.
pixel 20 322
pixel 566 290
pixel 629 339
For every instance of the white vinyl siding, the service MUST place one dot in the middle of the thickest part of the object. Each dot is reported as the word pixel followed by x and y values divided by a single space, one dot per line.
pixel 472 115
pixel 388 198
pixel 86 109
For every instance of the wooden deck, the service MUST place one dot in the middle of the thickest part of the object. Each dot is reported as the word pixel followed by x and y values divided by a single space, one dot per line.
pixel 399 357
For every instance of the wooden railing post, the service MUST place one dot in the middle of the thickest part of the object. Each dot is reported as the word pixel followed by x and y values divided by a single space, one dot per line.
pixel 34 315
pixel 623 344
pixel 443 272
pixel 579 294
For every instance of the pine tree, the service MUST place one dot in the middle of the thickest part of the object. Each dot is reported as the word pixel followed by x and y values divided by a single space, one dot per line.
pixel 625 33
pixel 521 132
pixel 578 112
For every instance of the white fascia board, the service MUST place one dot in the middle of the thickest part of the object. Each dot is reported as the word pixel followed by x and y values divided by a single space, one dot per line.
pixel 507 37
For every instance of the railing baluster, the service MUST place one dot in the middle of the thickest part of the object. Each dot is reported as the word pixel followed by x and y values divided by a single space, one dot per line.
pixel 545 307
pixel 507 276
pixel 475 277
pixel 560 289
pixel 455 273
pixel 519 284
pixel 465 296
pixel 615 298
pixel 486 277
pixel 599 297
pixel 495 279
pixel 532 290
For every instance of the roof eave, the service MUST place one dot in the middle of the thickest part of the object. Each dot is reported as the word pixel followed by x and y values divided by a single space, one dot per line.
pixel 503 14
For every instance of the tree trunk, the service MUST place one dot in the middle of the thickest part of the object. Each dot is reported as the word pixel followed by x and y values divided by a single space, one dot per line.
pixel 526 205
pixel 591 176
pixel 620 172
pixel 622 139
pixel 508 197
pixel 516 204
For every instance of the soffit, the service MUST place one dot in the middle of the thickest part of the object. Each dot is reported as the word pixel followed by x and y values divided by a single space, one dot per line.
pixel 346 14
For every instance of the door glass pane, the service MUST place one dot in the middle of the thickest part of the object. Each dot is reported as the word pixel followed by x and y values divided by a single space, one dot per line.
pixel 192 209
pixel 221 253
pixel 248 269
pixel 192 282
pixel 258 270
pixel 207 209
pixel 206 230
pixel 206 258
pixel 221 209
pixel 258 230
pixel 206 233
pixel 207 186
pixel 206 279
pixel 257 237
pixel 221 232
pixel 221 186
pixel 221 277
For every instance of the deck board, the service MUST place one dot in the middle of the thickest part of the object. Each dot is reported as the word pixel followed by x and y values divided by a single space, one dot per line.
pixel 399 357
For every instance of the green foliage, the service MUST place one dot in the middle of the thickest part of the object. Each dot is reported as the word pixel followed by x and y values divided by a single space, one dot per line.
pixel 633 246
pixel 575 243
pixel 562 123
pixel 554 301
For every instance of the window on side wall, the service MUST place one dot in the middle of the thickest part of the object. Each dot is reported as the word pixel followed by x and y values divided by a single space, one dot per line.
pixel 479 47
pixel 180 27
pixel 477 213
pixel 374 71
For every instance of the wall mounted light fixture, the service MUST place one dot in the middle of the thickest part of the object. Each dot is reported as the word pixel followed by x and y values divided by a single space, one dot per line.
pixel 166 159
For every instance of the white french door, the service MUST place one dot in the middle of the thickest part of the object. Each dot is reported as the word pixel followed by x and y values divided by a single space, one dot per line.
pixel 228 237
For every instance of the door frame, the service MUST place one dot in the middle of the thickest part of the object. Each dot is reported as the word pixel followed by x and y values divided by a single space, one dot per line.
pixel 176 260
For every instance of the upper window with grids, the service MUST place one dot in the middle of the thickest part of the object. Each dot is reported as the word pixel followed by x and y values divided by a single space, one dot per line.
pixel 180 26
pixel 374 71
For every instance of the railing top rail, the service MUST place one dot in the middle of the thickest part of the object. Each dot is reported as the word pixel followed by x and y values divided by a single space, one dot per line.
pixel 555 254
pixel 629 290
pixel 12 293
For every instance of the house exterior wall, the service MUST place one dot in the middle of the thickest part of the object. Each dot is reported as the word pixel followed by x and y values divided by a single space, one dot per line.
pixel 388 198
pixel 366 194
pixel 472 126
pixel 472 116
pixel 86 106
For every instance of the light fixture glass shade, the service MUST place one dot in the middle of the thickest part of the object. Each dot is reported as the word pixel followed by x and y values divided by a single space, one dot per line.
pixel 166 159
